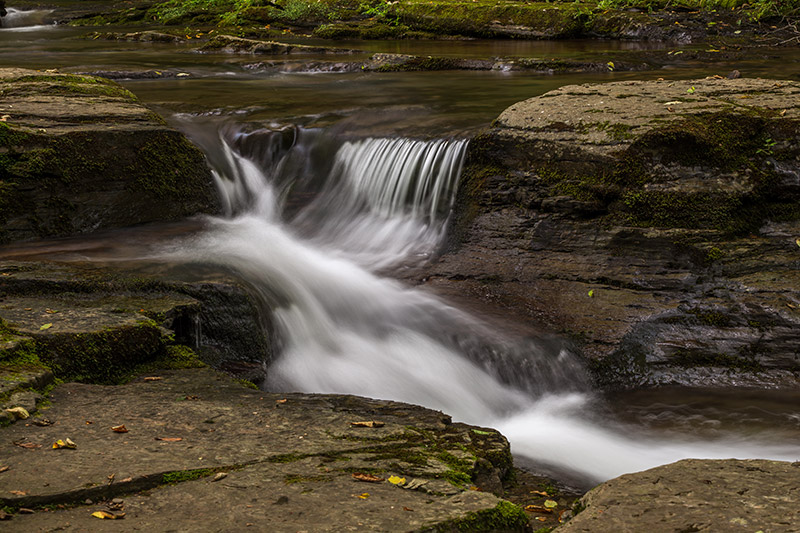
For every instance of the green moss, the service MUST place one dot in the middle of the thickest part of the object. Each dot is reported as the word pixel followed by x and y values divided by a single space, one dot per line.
pixel 505 516
pixel 288 457
pixel 292 478
pixel 180 476
pixel 248 384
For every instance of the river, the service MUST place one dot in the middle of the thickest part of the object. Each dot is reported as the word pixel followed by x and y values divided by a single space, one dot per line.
pixel 333 182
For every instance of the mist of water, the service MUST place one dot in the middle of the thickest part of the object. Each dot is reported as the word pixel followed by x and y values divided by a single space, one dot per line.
pixel 373 203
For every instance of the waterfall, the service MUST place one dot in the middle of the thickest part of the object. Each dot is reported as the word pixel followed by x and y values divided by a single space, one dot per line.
pixel 310 220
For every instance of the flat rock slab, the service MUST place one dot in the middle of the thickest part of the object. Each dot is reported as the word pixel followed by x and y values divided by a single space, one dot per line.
pixel 289 459
pixel 695 495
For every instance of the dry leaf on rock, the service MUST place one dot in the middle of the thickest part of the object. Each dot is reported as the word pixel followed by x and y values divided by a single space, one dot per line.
pixel 119 429
pixel 64 444
pixel 45 326
pixel 368 424
pixel 19 492
pixel 396 480
pixel 153 378
pixel 219 475
pixel 551 504
pixel 170 439
pixel 4 515
pixel 28 445
pixel 4 468
pixel 539 492
pixel 126 480
pixel 19 413
pixel 105 515
pixel 538 509
pixel 368 478
pixel 364 495
pixel 25 510
pixel 281 401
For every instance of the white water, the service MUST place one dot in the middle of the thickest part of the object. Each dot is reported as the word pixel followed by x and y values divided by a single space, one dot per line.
pixel 21 20
pixel 343 329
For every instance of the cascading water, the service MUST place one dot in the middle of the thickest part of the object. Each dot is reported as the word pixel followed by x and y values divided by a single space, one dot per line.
pixel 22 20
pixel 374 203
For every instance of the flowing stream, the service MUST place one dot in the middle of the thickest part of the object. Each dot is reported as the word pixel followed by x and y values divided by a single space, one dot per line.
pixel 377 204
pixel 337 180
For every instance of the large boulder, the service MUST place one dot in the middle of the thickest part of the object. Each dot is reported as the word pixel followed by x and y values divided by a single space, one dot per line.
pixel 695 495
pixel 653 222
pixel 79 153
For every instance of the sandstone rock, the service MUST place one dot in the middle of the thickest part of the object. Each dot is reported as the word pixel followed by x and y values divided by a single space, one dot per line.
pixel 238 45
pixel 676 203
pixel 80 153
pixel 695 495
pixel 289 459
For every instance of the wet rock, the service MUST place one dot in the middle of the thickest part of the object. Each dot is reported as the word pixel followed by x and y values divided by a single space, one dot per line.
pixel 238 45
pixel 95 324
pixel 81 153
pixel 138 37
pixel 651 222
pixel 695 495
pixel 293 455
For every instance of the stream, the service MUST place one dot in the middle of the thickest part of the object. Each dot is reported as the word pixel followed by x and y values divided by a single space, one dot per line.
pixel 333 183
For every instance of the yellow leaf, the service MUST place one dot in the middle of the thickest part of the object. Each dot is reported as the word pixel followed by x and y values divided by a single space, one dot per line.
pixel 67 443
pixel 550 504
pixel 396 480
pixel 46 326
pixel 367 424
pixel 105 515
pixel 591 294
pixel 364 495
pixel 18 412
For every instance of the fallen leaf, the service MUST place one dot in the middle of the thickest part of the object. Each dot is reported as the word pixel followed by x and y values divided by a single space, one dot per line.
pixel 153 378
pixel 19 412
pixel 25 510
pixel 126 480
pixel 396 480
pixel 281 401
pixel 50 311
pixel 219 476
pixel 4 118
pixel 42 422
pixel 538 509
pixel 4 468
pixel 364 495
pixel 28 445
pixel 110 478
pixel 479 432
pixel 591 293
pixel 368 424
pixel 782 113
pixel 539 492
pixel 368 478
pixel 19 492
pixel 551 504
pixel 64 444
pixel 407 509
pixel 797 242
pixel 541 519
pixel 690 90
pixel 89 422
pixel 105 515
pixel 170 439
pixel 119 429
pixel 4 515
pixel 610 65
pixel 45 326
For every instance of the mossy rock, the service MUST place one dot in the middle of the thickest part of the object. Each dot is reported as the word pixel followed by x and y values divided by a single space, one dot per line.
pixel 80 153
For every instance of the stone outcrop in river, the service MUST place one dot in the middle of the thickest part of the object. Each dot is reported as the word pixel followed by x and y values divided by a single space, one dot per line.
pixel 79 153
pixel 695 495
pixel 654 222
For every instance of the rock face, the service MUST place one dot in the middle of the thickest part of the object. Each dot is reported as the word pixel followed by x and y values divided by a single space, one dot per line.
pixel 204 453
pixel 79 153
pixel 695 495
pixel 654 222
pixel 94 324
